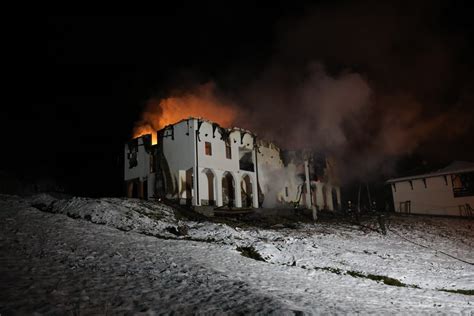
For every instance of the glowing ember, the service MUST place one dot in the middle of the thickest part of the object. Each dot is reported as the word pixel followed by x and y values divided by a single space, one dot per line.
pixel 200 103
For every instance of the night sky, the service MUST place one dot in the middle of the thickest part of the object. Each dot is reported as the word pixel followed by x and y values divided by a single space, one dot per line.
pixel 81 83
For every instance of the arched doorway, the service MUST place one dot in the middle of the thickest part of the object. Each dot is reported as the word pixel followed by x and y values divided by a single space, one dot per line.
pixel 210 197
pixel 246 191
pixel 228 189
pixel 335 202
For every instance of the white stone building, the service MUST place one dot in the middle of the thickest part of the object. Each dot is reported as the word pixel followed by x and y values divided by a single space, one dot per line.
pixel 448 191
pixel 199 163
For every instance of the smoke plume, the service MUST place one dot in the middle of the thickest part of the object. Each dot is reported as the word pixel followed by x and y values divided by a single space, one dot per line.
pixel 365 83
pixel 201 101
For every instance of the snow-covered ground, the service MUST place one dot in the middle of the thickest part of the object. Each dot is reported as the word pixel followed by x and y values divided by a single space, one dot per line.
pixel 103 256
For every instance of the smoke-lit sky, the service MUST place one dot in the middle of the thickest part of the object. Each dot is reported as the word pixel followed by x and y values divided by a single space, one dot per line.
pixel 367 80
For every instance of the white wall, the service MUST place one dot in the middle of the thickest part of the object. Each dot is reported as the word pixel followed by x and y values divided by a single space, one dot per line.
pixel 141 170
pixel 179 152
pixel 436 199
pixel 218 158
pixel 219 163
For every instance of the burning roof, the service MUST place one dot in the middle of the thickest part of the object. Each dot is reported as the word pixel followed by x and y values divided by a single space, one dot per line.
pixel 201 102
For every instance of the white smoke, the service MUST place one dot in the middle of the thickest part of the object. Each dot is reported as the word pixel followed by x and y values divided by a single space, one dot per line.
pixel 276 179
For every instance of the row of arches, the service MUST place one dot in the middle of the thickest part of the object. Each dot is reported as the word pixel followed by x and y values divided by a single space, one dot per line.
pixel 327 197
pixel 223 191
pixel 324 196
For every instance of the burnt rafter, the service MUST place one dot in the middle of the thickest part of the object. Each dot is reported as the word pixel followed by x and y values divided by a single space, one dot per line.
pixel 215 127
pixel 225 134
pixel 168 131
pixel 198 129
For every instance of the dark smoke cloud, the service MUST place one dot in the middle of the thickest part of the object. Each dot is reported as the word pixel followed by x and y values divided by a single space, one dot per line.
pixel 366 83
pixel 310 111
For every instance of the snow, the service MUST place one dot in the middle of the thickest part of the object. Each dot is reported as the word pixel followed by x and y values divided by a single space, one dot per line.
pixel 110 255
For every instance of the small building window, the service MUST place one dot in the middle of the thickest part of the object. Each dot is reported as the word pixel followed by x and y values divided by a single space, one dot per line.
pixel 286 191
pixel 208 148
pixel 228 150
pixel 463 184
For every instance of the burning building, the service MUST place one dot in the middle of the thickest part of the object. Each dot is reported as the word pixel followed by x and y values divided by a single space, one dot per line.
pixel 197 162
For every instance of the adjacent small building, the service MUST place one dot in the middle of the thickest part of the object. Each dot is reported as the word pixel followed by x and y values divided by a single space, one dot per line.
pixel 199 163
pixel 448 191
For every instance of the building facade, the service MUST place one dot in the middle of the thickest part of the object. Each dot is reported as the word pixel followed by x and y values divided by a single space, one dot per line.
pixel 448 191
pixel 199 163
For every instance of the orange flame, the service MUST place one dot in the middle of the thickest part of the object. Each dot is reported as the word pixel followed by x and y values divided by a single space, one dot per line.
pixel 199 103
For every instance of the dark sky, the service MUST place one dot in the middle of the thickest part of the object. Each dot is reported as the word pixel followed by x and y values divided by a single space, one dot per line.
pixel 80 83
